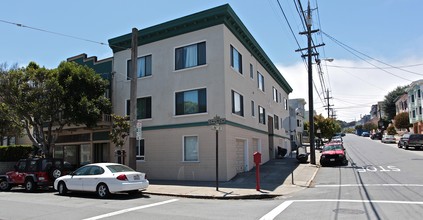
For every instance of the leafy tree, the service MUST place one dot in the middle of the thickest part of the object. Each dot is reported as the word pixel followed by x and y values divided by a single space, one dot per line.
pixel 358 127
pixel 120 130
pixel 10 125
pixel 328 126
pixel 369 126
pixel 388 105
pixel 48 99
pixel 402 121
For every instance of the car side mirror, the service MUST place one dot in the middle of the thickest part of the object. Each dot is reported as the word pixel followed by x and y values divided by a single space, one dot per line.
pixel 321 151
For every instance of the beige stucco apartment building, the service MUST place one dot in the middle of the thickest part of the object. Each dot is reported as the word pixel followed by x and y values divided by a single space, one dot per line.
pixel 190 70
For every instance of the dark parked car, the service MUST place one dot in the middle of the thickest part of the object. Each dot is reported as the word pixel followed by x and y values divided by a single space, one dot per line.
pixel 365 134
pixel 376 136
pixel 403 140
pixel 32 173
pixel 333 153
pixel 415 141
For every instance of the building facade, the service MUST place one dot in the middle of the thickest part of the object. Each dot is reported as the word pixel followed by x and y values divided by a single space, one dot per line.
pixel 190 70
pixel 414 93
pixel 297 119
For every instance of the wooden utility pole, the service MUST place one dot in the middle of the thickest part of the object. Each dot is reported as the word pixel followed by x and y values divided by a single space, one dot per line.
pixel 310 87
pixel 133 101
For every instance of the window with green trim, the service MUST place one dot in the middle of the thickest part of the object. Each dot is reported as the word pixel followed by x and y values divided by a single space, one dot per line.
pixel 143 107
pixel 191 102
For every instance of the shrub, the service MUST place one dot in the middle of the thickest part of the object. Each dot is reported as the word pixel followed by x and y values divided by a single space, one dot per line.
pixel 15 152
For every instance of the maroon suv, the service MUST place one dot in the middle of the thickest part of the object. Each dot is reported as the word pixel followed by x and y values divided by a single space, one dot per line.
pixel 333 153
pixel 32 173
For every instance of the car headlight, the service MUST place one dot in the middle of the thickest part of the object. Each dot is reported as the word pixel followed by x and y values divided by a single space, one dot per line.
pixel 340 155
pixel 323 156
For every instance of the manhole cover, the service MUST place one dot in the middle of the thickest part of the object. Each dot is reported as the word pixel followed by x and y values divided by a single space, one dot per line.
pixel 349 211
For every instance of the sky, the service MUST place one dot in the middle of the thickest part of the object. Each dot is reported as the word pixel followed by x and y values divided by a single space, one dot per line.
pixel 376 46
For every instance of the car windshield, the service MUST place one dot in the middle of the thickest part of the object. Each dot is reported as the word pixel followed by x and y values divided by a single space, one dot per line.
pixel 332 147
pixel 119 168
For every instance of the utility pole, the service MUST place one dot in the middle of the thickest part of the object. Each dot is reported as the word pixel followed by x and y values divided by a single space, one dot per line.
pixel 133 100
pixel 328 106
pixel 310 81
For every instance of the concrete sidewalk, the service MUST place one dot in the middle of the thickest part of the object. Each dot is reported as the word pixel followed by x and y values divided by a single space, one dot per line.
pixel 276 179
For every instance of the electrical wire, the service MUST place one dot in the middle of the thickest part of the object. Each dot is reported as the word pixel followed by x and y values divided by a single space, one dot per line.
pixel 345 47
pixel 355 67
pixel 60 34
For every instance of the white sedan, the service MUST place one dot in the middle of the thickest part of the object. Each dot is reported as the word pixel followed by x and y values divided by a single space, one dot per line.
pixel 102 178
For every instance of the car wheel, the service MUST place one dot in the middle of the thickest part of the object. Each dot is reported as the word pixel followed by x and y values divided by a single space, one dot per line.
pixel 102 191
pixel 62 188
pixel 406 147
pixel 55 173
pixel 345 162
pixel 29 185
pixel 4 185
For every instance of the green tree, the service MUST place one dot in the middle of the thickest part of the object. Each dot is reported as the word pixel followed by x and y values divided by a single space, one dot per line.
pixel 48 99
pixel 388 105
pixel 120 130
pixel 10 125
pixel 328 126
pixel 369 126
pixel 402 121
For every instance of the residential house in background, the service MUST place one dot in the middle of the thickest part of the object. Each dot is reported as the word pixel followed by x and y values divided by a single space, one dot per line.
pixel 414 92
pixel 190 70
pixel 401 104
pixel 297 119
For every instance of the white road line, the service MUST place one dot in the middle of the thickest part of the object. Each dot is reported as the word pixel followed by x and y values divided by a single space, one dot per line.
pixel 130 210
pixel 361 201
pixel 276 211
pixel 279 209
pixel 366 185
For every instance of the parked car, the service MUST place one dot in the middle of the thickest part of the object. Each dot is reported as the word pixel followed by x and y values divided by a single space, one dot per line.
pixel 333 153
pixel 388 139
pixel 415 141
pixel 403 140
pixel 365 134
pixel 376 136
pixel 32 173
pixel 103 179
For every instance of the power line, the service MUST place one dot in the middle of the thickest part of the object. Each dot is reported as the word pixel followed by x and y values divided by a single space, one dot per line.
pixel 394 67
pixel 349 50
pixel 59 34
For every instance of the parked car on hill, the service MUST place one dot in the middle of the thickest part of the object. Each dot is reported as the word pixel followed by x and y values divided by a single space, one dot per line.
pixel 403 140
pixel 376 136
pixel 103 179
pixel 365 134
pixel 32 173
pixel 333 153
pixel 388 139
pixel 415 141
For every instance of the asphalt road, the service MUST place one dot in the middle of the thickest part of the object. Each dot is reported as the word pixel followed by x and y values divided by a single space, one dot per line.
pixel 380 182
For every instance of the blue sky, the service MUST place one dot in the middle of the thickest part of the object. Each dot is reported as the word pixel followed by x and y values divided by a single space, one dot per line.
pixel 387 30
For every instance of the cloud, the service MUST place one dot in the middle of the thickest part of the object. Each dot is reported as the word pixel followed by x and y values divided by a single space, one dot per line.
pixel 354 86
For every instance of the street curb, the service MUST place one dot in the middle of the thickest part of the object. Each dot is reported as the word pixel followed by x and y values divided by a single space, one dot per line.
pixel 243 197
pixel 311 181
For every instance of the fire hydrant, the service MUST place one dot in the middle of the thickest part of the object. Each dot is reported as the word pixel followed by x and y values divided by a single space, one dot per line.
pixel 257 161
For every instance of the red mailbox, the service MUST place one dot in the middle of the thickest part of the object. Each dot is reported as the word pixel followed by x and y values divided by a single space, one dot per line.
pixel 257 161
pixel 257 157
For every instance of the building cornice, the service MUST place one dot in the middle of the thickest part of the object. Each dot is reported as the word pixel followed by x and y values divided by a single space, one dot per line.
pixel 208 18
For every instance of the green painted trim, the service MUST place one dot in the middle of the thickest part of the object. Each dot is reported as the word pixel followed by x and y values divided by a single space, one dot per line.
pixel 103 67
pixel 185 125
pixel 208 18
pixel 246 127
pixel 201 124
